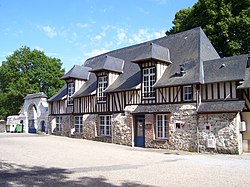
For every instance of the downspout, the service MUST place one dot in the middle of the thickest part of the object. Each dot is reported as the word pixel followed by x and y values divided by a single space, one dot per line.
pixel 112 127
pixel 197 115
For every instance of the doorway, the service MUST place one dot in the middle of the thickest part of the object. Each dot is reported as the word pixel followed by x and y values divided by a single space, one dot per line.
pixel 32 119
pixel 139 131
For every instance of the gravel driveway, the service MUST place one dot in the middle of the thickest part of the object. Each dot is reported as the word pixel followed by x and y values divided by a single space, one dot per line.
pixel 43 160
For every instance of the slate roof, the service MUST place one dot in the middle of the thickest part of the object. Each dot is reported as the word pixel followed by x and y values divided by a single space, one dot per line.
pixel 185 48
pixel 107 62
pixel 153 51
pixel 36 95
pixel 225 69
pixel 59 95
pixel 188 49
pixel 88 88
pixel 78 72
pixel 246 82
pixel 221 106
pixel 150 109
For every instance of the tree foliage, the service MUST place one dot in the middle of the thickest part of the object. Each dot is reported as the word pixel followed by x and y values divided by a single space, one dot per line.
pixel 24 72
pixel 225 22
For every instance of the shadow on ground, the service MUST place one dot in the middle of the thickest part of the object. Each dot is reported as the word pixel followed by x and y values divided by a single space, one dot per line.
pixel 20 175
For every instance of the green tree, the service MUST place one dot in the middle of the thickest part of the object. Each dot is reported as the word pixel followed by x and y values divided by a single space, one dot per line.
pixel 24 72
pixel 225 22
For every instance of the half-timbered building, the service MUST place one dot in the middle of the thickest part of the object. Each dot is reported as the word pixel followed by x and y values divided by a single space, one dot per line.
pixel 174 92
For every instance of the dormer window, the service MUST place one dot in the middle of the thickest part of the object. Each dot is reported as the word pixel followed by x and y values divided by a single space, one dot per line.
pixel 102 85
pixel 71 90
pixel 149 78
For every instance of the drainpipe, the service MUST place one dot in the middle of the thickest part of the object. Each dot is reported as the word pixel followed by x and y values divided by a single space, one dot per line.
pixel 197 116
pixel 112 128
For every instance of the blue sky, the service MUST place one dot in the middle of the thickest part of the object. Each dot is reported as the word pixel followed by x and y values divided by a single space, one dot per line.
pixel 74 30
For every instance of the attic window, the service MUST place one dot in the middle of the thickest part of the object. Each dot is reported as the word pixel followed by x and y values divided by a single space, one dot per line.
pixel 222 65
pixel 148 91
pixel 181 71
pixel 102 85
pixel 71 90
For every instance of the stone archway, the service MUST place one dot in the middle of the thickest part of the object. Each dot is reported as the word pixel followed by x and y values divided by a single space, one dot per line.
pixel 32 118
pixel 33 112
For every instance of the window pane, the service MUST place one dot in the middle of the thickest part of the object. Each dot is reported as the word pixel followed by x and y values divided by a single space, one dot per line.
pixel 76 120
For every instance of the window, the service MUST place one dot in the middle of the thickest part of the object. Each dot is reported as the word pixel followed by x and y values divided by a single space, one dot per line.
pixel 58 124
pixel 187 93
pixel 102 85
pixel 78 124
pixel 71 90
pixel 148 82
pixel 207 127
pixel 105 125
pixel 162 126
pixel 179 125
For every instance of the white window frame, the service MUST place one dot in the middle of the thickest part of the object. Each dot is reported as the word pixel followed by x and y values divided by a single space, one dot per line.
pixel 58 124
pixel 102 85
pixel 187 93
pixel 162 126
pixel 105 125
pixel 71 90
pixel 78 124
pixel 149 78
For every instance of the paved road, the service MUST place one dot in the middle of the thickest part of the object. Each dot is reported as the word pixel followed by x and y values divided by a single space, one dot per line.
pixel 42 160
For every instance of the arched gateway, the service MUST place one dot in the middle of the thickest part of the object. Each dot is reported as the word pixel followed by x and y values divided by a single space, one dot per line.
pixel 34 113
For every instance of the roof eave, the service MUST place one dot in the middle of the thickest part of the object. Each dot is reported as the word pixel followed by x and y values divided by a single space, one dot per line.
pixel 139 61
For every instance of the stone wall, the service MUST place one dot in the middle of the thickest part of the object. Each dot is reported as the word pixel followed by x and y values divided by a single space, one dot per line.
pixel 179 139
pixel 224 130
pixel 2 126
pixel 89 126
pixel 67 125
pixel 122 129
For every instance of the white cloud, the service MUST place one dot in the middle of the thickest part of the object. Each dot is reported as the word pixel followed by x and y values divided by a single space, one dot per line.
pixel 50 31
pixel 82 26
pixel 95 52
pixel 143 35
pixel 97 38
pixel 121 35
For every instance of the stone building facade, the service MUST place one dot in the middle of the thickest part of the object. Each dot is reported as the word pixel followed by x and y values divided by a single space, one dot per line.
pixel 172 93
